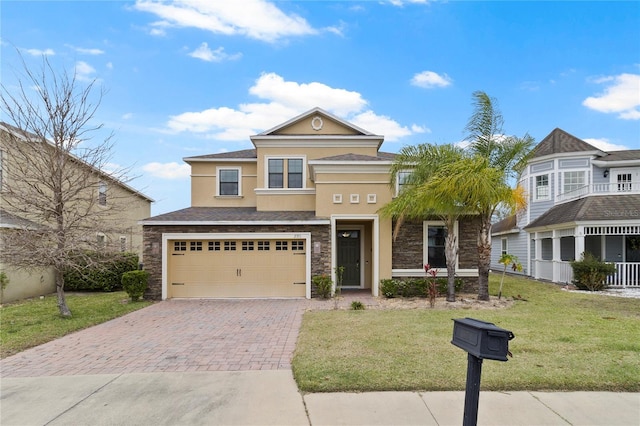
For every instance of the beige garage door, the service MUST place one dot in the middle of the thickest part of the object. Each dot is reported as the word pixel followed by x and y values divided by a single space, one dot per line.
pixel 236 268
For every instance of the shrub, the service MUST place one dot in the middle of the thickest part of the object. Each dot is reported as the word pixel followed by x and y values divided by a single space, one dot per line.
pixel 135 283
pixel 389 288
pixel 357 305
pixel 99 271
pixel 442 285
pixel 323 285
pixel 590 273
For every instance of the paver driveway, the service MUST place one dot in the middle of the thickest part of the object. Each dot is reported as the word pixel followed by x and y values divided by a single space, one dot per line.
pixel 174 335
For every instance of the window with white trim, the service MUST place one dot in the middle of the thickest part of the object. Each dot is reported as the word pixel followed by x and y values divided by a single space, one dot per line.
pixel 435 234
pixel 229 181
pixel 542 187
pixel 624 182
pixel 285 173
pixel 573 181
pixel 504 246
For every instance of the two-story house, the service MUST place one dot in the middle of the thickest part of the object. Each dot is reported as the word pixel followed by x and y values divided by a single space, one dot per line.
pixel 120 228
pixel 303 202
pixel 580 199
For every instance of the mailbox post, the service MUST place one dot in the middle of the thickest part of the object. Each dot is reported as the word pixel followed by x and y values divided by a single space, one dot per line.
pixel 481 340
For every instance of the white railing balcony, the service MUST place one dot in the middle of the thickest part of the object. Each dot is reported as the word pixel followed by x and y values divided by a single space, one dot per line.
pixel 627 275
pixel 600 189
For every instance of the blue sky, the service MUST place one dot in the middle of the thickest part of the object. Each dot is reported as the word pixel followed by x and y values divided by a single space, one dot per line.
pixel 188 78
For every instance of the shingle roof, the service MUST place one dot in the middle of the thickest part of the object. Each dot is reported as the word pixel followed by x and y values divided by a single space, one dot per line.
pixel 357 157
pixel 233 214
pixel 506 224
pixel 8 220
pixel 559 141
pixel 631 154
pixel 242 155
pixel 602 207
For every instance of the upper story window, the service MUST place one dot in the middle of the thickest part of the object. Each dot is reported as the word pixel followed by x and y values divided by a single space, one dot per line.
pixel 624 182
pixel 573 181
pixel 289 171
pixel 102 193
pixel 542 187
pixel 402 181
pixel 229 181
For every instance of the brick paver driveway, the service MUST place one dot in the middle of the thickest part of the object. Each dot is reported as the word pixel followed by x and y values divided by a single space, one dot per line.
pixel 174 335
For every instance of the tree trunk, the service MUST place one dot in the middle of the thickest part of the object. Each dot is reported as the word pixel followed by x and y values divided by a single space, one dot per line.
pixel 62 301
pixel 484 259
pixel 451 256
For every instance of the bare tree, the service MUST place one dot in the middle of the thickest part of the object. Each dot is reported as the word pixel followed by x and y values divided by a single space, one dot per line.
pixel 54 176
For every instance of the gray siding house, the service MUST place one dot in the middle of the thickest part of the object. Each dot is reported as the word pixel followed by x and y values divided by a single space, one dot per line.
pixel 580 199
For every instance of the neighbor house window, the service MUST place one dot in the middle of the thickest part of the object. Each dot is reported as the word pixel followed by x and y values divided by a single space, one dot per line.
pixel 504 248
pixel 123 243
pixel 542 187
pixel 229 181
pixel 573 181
pixel 288 171
pixel 102 193
pixel 624 181
pixel 101 240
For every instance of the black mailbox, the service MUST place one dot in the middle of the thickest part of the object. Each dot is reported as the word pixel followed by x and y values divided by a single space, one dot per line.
pixel 482 339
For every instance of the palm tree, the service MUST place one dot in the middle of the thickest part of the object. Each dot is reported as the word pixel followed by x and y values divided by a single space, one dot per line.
pixel 505 157
pixel 418 168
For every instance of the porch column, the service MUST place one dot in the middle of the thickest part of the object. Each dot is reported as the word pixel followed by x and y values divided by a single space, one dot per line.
pixel 557 256
pixel 537 255
pixel 579 242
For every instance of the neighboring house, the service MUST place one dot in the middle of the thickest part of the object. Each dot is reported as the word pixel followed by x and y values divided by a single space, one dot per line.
pixel 580 199
pixel 302 203
pixel 128 237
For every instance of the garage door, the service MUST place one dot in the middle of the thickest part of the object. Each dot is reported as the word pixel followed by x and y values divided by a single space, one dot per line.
pixel 236 268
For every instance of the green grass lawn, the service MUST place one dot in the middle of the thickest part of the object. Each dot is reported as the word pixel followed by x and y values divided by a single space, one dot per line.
pixel 563 341
pixel 35 321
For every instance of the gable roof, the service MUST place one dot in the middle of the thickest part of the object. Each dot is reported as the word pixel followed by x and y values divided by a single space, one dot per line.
pixel 313 112
pixel 506 225
pixel 601 207
pixel 382 156
pixel 8 220
pixel 559 141
pixel 242 155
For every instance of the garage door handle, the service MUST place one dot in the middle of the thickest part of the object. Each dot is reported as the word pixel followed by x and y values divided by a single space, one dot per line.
pixel 177 254
pixel 238 272
pixel 301 254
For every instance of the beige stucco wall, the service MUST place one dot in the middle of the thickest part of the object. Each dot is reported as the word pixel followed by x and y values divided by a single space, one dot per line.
pixel 204 181
pixel 304 127
pixel 24 284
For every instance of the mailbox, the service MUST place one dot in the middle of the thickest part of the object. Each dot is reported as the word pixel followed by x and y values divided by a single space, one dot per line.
pixel 481 339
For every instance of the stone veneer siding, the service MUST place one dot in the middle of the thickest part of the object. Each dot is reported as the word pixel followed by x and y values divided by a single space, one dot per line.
pixel 152 251
pixel 408 247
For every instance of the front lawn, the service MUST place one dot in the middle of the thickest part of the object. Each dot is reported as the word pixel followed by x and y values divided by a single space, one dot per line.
pixel 35 321
pixel 563 341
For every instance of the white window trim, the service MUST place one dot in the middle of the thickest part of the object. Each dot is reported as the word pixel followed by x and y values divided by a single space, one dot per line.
pixel 285 175
pixel 218 169
pixel 504 246
pixel 535 187
pixel 425 243
pixel 561 183
pixel 397 189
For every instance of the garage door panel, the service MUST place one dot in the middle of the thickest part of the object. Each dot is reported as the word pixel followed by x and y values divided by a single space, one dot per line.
pixel 254 269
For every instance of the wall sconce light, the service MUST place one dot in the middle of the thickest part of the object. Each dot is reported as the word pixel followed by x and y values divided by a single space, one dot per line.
pixel 606 173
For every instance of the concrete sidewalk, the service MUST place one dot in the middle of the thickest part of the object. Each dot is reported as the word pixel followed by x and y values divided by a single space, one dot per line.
pixel 271 398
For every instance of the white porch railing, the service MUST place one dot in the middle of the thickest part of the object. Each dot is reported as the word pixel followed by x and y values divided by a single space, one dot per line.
pixel 600 189
pixel 627 273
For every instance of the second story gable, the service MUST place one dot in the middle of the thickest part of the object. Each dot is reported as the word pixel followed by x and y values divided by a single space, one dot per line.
pixel 313 162
pixel 564 168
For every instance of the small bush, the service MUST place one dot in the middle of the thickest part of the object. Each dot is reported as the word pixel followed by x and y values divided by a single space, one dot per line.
pixel 442 285
pixel 135 283
pixel 323 285
pixel 389 288
pixel 590 273
pixel 357 305
pixel 99 271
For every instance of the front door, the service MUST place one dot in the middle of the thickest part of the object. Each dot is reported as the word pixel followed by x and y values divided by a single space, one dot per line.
pixel 349 256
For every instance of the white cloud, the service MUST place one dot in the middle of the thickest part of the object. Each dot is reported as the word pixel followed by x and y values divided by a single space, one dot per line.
pixel 420 129
pixel 171 170
pixel 206 54
pixel 622 96
pixel 38 52
pixel 127 116
pixel 256 19
pixel 86 51
pixel 84 71
pixel 430 79
pixel 283 100
pixel 604 144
